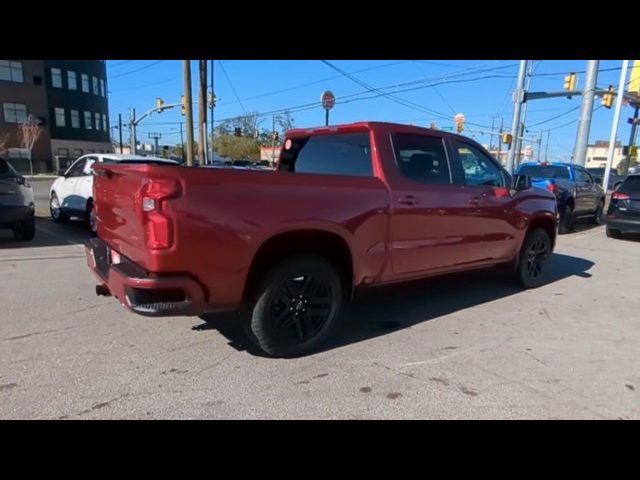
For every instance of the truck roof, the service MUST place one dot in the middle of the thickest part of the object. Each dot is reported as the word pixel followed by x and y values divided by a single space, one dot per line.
pixel 355 126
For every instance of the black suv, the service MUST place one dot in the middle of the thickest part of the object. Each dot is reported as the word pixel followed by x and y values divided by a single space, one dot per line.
pixel 17 210
pixel 623 215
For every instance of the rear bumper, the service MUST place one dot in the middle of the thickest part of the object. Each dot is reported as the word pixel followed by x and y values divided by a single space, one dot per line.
pixel 11 215
pixel 138 290
pixel 624 224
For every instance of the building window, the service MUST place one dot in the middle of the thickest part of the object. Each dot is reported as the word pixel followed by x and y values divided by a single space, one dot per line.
pixel 104 122
pixel 77 152
pixel 14 112
pixel 63 152
pixel 56 77
pixel 103 93
pixel 60 121
pixel 97 116
pixel 11 71
pixel 72 80
pixel 18 152
pixel 87 120
pixel 96 91
pixel 75 118
pixel 85 83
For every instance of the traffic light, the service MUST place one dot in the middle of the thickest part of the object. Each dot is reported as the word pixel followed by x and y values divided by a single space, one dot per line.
pixel 607 98
pixel 570 82
pixel 159 104
pixel 183 105
pixel 506 138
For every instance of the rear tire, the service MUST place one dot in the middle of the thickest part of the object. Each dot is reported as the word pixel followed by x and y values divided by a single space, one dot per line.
pixel 296 304
pixel 25 230
pixel 534 254
pixel 566 220
pixel 613 233
pixel 57 215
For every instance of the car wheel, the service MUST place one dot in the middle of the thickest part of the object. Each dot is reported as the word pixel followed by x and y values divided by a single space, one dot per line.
pixel 91 219
pixel 566 220
pixel 296 305
pixel 613 233
pixel 56 210
pixel 534 254
pixel 25 230
pixel 597 216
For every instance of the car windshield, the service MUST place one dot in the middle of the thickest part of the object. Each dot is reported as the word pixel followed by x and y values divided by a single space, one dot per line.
pixel 545 171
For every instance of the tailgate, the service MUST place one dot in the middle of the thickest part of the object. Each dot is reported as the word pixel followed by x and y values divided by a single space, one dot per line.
pixel 132 204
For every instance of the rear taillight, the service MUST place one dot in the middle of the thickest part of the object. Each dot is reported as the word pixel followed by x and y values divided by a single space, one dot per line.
pixel 158 226
pixel 620 196
pixel 552 187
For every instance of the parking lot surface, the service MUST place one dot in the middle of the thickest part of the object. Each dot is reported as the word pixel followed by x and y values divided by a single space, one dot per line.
pixel 462 347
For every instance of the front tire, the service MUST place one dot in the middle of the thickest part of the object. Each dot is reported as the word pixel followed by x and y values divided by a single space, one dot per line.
pixel 56 210
pixel 296 305
pixel 534 254
pixel 613 233
pixel 597 216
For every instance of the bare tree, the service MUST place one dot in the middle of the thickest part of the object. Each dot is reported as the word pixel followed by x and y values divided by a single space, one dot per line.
pixel 3 142
pixel 285 121
pixel 28 131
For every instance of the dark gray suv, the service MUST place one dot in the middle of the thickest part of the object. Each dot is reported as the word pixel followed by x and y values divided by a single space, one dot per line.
pixel 17 210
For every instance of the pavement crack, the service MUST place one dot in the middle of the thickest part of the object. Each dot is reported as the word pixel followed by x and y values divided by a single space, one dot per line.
pixel 43 332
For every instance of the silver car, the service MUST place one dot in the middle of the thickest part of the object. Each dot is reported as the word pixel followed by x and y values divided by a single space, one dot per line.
pixel 17 210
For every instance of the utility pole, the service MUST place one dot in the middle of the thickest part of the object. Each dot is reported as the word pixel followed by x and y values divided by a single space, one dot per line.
pixel 120 130
pixel 524 116
pixel 202 108
pixel 493 120
pixel 546 149
pixel 614 125
pixel 213 102
pixel 155 137
pixel 181 142
pixel 134 140
pixel 186 67
pixel 500 140
pixel 584 124
pixel 517 110
pixel 273 138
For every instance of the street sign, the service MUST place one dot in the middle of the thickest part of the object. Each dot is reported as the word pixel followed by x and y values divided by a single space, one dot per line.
pixel 328 100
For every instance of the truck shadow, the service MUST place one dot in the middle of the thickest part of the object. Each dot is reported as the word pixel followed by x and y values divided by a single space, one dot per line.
pixel 382 310
pixel 48 234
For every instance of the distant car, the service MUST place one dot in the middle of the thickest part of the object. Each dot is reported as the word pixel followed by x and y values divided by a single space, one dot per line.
pixel 17 210
pixel 614 179
pixel 623 215
pixel 577 192
pixel 71 193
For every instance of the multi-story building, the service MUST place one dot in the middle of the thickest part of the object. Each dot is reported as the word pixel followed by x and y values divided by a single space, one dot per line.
pixel 598 152
pixel 68 97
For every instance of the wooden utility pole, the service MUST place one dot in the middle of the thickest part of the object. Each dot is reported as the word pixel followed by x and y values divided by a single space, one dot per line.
pixel 202 108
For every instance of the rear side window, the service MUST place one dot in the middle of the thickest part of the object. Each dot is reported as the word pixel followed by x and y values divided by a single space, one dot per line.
pixel 630 185
pixel 545 171
pixel 422 158
pixel 340 154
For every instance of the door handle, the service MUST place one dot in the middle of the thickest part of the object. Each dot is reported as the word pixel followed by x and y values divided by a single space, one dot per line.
pixel 408 200
pixel 474 201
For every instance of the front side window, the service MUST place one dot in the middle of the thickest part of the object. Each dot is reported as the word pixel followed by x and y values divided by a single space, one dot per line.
pixel 479 169
pixel 85 83
pixel 422 158
pixel 11 71
pixel 336 154
pixel 56 77
pixel 14 112
pixel 72 80
pixel 77 168
pixel 75 119
pixel 60 121
pixel 583 176
pixel 87 120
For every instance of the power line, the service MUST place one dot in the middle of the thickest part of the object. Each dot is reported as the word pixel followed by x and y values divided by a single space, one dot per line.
pixel 137 70
pixel 231 85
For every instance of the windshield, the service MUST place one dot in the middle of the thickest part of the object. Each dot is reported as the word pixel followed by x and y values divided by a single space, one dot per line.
pixel 544 171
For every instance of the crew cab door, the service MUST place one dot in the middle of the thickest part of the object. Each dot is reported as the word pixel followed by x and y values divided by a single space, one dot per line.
pixel 488 215
pixel 429 228
pixel 588 193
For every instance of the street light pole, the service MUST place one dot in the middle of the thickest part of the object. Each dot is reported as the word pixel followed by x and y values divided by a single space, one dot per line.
pixel 584 125
pixel 186 67
pixel 517 111
pixel 614 125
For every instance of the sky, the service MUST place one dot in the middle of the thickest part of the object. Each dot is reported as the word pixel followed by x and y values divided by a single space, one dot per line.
pixel 419 92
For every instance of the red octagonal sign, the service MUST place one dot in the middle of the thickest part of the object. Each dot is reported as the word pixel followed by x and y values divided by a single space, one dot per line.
pixel 328 100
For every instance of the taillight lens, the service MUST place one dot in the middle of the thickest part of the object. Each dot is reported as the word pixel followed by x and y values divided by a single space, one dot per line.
pixel 552 187
pixel 158 226
pixel 620 196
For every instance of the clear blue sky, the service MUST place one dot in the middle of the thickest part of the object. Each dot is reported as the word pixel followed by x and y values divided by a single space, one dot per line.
pixel 268 85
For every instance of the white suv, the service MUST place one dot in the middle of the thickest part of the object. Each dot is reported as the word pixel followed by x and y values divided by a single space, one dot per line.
pixel 71 193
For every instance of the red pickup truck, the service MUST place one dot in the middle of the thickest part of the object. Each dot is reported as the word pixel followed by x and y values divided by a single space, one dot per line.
pixel 348 206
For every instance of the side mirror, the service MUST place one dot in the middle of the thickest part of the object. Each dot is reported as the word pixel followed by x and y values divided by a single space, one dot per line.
pixel 521 182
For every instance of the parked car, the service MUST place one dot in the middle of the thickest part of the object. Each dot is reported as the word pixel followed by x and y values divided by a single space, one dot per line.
pixel 623 215
pixel 577 192
pixel 348 207
pixel 17 210
pixel 71 194
pixel 615 180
